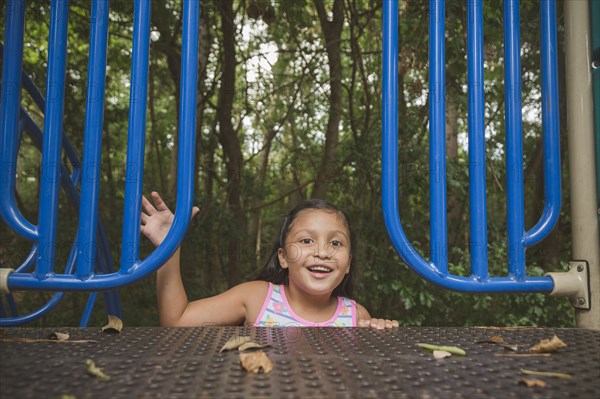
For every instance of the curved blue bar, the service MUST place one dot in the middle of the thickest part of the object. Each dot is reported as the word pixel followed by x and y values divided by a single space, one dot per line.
pixel 48 306
pixel 29 261
pixel 136 136
pixel 53 120
pixel 514 140
pixel 437 136
pixel 428 271
pixel 94 117
pixel 550 127
pixel 9 119
pixel 477 165
pixel 185 184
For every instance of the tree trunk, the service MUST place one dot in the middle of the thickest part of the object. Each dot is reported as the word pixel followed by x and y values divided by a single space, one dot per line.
pixel 332 31
pixel 230 141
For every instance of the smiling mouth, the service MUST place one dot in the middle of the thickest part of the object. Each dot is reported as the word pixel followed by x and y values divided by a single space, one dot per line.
pixel 320 269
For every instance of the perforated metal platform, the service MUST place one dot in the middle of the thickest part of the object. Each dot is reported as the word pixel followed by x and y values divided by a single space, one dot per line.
pixel 307 363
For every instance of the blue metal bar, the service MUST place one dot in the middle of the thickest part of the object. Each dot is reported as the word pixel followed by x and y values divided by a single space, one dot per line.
pixel 427 270
pixel 514 140
pixel 94 116
pixel 437 137
pixel 136 136
pixel 185 183
pixel 89 309
pixel 550 127
pixel 53 118
pixel 477 165
pixel 9 119
pixel 48 306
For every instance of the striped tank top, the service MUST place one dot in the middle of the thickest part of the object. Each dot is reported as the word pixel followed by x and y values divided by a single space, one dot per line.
pixel 277 312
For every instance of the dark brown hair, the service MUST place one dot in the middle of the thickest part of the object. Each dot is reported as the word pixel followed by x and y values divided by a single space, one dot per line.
pixel 272 270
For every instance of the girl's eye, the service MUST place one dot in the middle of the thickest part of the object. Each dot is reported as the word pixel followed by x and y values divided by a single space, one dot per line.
pixel 336 243
pixel 306 241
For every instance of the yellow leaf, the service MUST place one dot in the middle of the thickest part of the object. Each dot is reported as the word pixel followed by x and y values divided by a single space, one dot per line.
pixel 532 382
pixel 441 354
pixel 115 325
pixel 548 345
pixel 95 371
pixel 255 361
pixel 546 373
pixel 59 336
pixel 235 342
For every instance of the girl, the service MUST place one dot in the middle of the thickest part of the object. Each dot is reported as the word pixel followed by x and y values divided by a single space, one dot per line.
pixel 305 282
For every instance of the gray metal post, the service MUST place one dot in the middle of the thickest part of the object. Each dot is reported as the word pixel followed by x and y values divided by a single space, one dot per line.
pixel 584 226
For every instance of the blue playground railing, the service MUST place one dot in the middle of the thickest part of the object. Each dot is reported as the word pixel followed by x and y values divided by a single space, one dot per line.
pixel 436 269
pixel 88 269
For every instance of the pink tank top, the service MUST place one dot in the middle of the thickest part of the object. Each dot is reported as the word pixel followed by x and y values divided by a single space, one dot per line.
pixel 277 312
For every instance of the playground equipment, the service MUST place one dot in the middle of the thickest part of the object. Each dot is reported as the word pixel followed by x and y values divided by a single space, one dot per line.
pixel 581 283
pixel 575 283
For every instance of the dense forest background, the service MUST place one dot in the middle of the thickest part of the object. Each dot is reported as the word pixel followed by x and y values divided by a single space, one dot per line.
pixel 289 107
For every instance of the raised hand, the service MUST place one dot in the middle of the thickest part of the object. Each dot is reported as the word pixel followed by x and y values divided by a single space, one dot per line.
pixel 157 218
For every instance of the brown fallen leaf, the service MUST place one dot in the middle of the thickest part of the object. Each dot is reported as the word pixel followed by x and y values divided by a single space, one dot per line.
pixel 33 340
pixel 92 369
pixel 115 325
pixel 522 354
pixel 548 345
pixel 255 361
pixel 441 354
pixel 251 345
pixel 495 339
pixel 59 336
pixel 546 373
pixel 235 342
pixel 498 340
pixel 532 382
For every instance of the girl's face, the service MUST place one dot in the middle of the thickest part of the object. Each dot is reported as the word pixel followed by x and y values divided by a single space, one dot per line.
pixel 317 252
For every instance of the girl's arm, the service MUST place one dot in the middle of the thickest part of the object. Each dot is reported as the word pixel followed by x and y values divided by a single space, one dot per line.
pixel 365 320
pixel 156 222
pixel 174 309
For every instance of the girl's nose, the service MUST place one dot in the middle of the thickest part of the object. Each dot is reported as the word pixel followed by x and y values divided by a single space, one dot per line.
pixel 323 251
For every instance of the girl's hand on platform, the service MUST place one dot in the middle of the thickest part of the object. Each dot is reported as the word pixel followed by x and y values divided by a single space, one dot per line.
pixel 157 219
pixel 378 324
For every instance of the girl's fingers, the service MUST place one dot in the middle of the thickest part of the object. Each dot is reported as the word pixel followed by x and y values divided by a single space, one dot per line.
pixel 144 218
pixel 195 211
pixel 147 206
pixel 158 201
pixel 395 324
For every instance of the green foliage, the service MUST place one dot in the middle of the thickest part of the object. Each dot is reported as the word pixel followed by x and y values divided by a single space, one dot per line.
pixel 280 113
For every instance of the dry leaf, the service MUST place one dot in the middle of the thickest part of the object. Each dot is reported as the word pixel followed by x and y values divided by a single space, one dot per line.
pixel 235 342
pixel 455 350
pixel 522 354
pixel 254 361
pixel 441 354
pixel 115 325
pixel 548 345
pixel 32 340
pixel 546 373
pixel 94 370
pixel 251 345
pixel 495 339
pixel 532 383
pixel 59 336
pixel 498 340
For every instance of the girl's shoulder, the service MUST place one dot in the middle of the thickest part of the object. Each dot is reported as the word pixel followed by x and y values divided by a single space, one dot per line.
pixel 254 287
pixel 362 312
pixel 254 294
